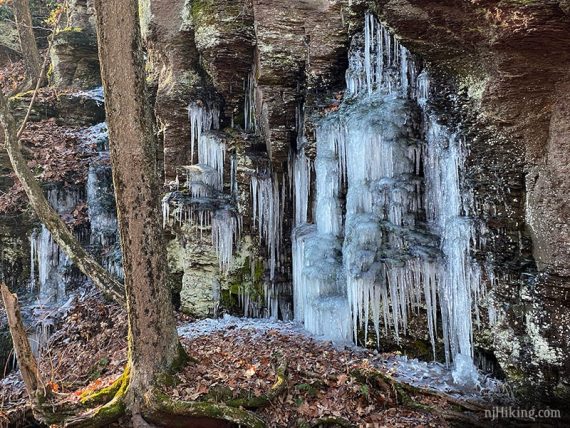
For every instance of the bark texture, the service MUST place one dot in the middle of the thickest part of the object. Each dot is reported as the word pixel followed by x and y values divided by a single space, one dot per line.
pixel 26 360
pixel 49 217
pixel 27 39
pixel 153 340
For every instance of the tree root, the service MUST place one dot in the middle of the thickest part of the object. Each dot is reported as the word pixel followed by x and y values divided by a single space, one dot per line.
pixel 402 394
pixel 110 412
pixel 163 411
pixel 277 389
pixel 104 395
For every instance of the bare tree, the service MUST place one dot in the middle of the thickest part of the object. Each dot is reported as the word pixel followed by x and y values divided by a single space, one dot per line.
pixel 153 340
pixel 27 39
pixel 154 348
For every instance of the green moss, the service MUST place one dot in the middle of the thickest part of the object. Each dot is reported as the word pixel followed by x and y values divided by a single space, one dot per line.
pixel 200 10
pixel 244 279
pixel 165 406
pixel 50 72
pixel 70 30
pixel 106 394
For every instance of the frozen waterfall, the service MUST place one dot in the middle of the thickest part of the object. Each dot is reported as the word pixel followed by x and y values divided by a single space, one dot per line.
pixel 392 234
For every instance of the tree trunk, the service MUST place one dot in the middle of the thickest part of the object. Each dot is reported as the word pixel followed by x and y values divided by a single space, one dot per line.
pixel 153 340
pixel 49 217
pixel 26 360
pixel 27 39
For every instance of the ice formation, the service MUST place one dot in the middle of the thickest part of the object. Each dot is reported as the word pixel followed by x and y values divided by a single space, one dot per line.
pixel 202 120
pixel 268 214
pixel 52 265
pixel 49 265
pixel 104 242
pixel 101 206
pixel 212 152
pixel 249 105
pixel 225 233
pixel 373 255
pixel 207 207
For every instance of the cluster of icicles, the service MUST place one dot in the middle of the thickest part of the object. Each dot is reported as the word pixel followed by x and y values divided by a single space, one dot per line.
pixel 399 241
pixel 205 184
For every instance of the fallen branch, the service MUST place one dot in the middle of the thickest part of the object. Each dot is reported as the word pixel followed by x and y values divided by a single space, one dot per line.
pixel 26 360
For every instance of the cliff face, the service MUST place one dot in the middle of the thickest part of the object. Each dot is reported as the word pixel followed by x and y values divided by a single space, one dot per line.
pixel 508 62
pixel 239 87
pixel 512 60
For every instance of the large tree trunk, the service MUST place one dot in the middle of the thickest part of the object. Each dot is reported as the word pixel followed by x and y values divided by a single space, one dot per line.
pixel 27 39
pixel 153 339
pixel 49 217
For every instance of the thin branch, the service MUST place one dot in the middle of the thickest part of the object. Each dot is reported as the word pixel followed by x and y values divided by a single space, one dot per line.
pixel 40 80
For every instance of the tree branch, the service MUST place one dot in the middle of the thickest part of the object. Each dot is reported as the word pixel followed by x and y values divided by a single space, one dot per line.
pixel 49 217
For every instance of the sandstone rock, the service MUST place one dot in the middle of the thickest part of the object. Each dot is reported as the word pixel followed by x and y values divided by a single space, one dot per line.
pixel 74 59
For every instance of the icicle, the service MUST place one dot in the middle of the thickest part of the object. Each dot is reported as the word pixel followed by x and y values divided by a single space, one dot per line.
pixel 224 237
pixel 33 252
pixel 249 104
pixel 52 266
pixel 212 152
pixel 102 216
pixel 267 212
pixel 201 120
pixel 302 182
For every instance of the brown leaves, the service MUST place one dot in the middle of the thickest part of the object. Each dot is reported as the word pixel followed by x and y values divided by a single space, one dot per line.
pixel 242 363
pixel 54 156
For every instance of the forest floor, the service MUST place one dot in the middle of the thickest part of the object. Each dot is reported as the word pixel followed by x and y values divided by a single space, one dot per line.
pixel 237 361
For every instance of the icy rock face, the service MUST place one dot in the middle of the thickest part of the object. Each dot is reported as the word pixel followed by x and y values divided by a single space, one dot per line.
pixel 399 242
pixel 201 201
pixel 50 268
pixel 202 210
pixel 100 200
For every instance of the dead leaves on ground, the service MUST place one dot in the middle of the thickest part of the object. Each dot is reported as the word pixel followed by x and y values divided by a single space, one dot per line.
pixel 242 363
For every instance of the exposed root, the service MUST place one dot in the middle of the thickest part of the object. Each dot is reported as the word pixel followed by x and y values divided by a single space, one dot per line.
pixel 163 411
pixel 113 396
pixel 99 417
pixel 104 395
pixel 402 394
pixel 107 413
pixel 277 389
